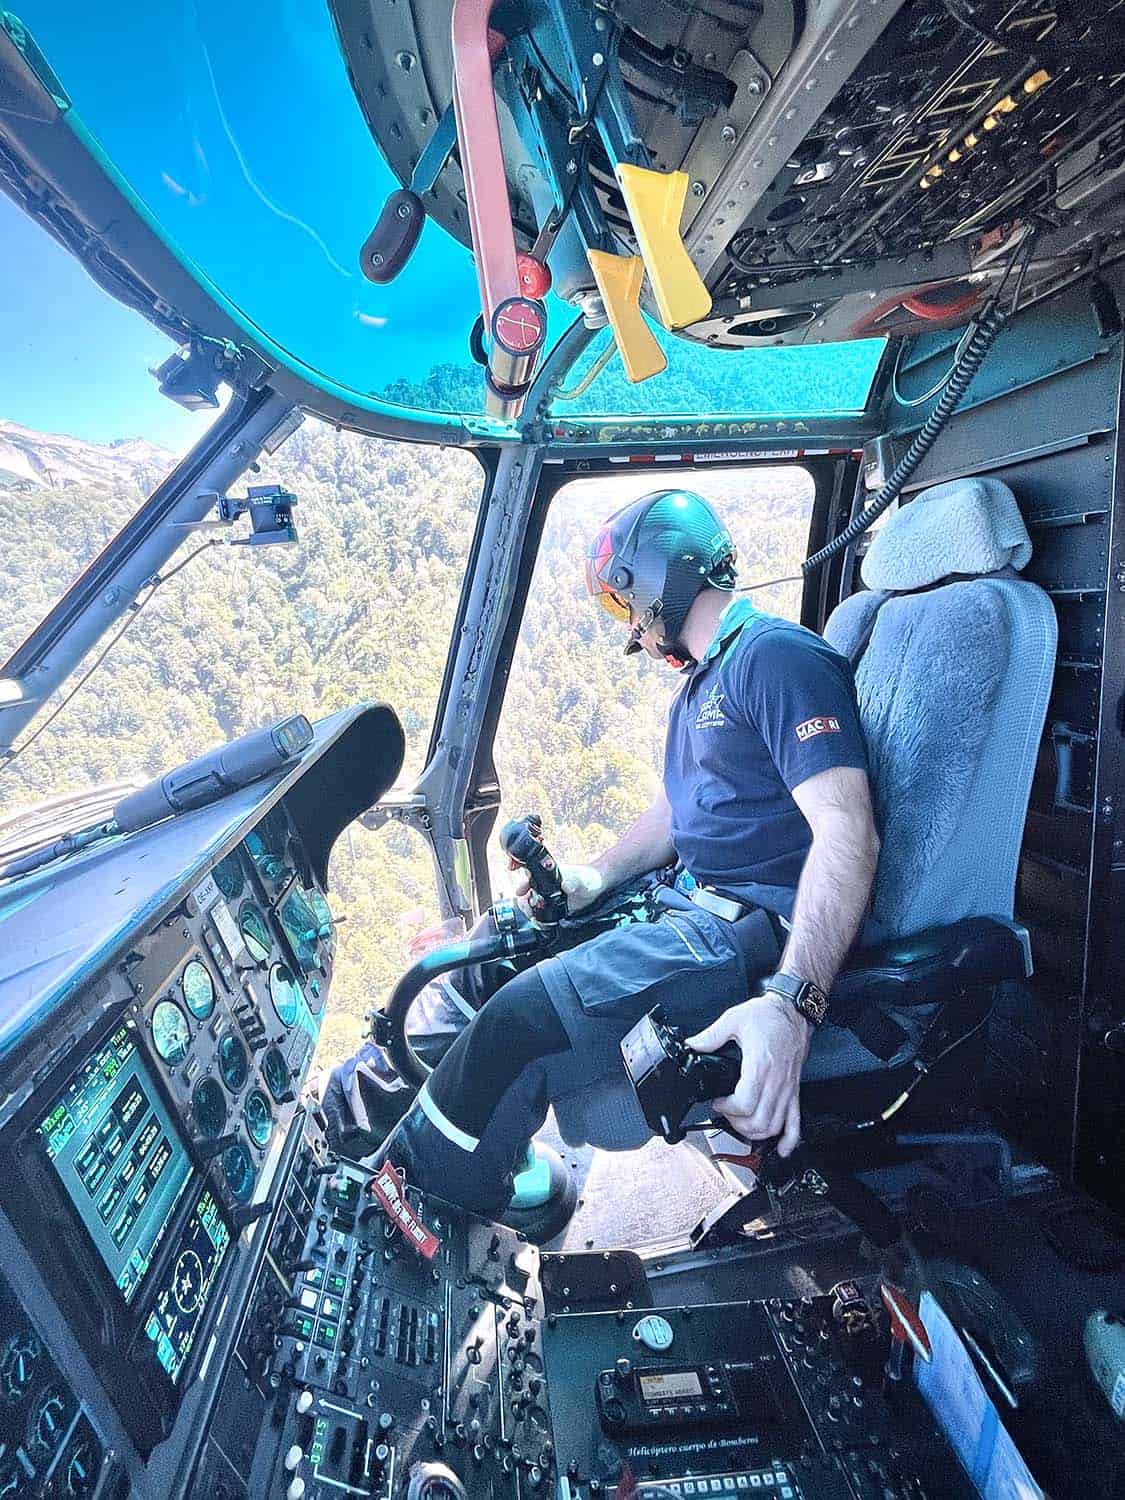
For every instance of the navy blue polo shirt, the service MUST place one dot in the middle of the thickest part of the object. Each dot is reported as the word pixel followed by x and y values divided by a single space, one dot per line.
pixel 768 706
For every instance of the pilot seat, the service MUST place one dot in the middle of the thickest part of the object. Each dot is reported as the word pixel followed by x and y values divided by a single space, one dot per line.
pixel 954 656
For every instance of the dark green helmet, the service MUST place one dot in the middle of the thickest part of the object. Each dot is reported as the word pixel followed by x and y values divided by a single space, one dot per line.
pixel 654 557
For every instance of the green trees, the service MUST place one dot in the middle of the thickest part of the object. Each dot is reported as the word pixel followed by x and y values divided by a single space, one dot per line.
pixel 363 607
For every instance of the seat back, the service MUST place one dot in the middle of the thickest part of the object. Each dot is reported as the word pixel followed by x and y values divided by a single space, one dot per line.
pixel 953 686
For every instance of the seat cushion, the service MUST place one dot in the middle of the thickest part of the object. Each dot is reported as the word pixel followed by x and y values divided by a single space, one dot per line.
pixel 923 968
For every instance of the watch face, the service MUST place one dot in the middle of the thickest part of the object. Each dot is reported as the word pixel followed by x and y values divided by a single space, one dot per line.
pixel 807 997
pixel 813 1003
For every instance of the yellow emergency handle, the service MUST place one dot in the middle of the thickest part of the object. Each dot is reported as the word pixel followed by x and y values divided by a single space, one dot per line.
pixel 619 280
pixel 655 201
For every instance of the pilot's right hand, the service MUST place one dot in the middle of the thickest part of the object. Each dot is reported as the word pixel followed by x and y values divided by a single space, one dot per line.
pixel 583 884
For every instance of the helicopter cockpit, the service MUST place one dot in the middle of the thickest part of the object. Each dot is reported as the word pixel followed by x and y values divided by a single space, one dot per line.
pixel 446 284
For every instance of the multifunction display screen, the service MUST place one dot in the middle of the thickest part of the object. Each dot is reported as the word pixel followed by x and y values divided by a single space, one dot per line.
pixel 672 1385
pixel 183 1291
pixel 119 1157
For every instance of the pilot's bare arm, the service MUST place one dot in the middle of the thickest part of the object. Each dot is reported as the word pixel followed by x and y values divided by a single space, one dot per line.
pixel 832 897
pixel 835 885
pixel 645 846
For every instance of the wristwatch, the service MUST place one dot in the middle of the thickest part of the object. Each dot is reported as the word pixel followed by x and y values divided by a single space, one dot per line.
pixel 808 998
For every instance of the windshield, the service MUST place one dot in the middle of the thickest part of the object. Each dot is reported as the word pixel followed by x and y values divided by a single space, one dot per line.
pixel 814 381
pixel 241 142
pixel 85 434
pixel 241 138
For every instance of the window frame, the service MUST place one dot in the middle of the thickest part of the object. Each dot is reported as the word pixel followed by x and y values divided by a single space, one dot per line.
pixel 834 478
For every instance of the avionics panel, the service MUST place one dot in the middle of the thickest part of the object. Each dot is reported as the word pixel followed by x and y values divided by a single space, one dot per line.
pixel 119 1157
pixel 45 1436
pixel 183 1290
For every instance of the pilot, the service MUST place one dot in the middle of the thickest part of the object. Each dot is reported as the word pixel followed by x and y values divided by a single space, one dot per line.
pixel 766 813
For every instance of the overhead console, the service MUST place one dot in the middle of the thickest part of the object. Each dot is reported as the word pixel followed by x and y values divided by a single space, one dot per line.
pixel 160 1001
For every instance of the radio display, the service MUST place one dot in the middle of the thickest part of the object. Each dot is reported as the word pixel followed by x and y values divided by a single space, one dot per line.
pixel 182 1293
pixel 119 1157
pixel 670 1385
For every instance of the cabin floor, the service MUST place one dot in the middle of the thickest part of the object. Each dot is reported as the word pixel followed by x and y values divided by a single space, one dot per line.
pixel 1063 1425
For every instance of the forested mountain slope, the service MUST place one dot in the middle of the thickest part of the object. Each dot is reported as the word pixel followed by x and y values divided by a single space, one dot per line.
pixel 361 607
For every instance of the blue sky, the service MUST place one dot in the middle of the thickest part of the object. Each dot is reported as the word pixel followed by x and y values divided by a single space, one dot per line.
pixel 271 204
pixel 74 360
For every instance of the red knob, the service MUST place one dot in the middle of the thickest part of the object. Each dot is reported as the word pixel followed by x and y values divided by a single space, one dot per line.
pixel 534 277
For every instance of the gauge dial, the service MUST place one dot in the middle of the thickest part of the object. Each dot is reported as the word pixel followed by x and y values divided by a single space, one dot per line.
pixel 209 1108
pixel 171 1034
pixel 258 1117
pixel 255 933
pixel 49 1422
pixel 13 1480
pixel 199 989
pixel 228 876
pixel 80 1472
pixel 267 845
pixel 275 1071
pixel 233 1063
pixel 302 928
pixel 238 1170
pixel 17 1365
pixel 285 994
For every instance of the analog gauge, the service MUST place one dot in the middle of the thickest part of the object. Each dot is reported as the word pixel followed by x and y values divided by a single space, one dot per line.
pixel 301 928
pixel 199 989
pixel 80 1468
pixel 233 1064
pixel 228 876
pixel 267 845
pixel 239 1172
pixel 170 1032
pixel 258 1117
pixel 275 1071
pixel 187 1282
pixel 17 1365
pixel 48 1423
pixel 285 994
pixel 255 933
pixel 321 911
pixel 13 1479
pixel 209 1108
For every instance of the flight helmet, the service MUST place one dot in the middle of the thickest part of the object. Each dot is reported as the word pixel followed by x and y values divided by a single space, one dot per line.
pixel 655 556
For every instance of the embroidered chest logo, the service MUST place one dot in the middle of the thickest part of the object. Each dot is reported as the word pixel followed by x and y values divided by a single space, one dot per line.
pixel 821 725
pixel 710 715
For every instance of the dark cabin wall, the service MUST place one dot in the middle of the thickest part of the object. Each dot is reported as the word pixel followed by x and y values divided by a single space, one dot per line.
pixel 1044 415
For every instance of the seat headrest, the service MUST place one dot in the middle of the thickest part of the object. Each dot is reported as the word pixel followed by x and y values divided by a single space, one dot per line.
pixel 968 526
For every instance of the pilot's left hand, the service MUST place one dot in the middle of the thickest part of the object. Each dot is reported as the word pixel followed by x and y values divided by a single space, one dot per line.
pixel 774 1039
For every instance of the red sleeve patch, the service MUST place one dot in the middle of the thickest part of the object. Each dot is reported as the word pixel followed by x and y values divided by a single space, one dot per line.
pixel 823 724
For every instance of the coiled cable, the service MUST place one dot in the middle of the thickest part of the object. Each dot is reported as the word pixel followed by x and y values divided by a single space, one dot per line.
pixel 983 337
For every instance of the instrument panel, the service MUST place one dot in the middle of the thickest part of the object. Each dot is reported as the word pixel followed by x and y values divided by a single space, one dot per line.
pixel 161 997
pixel 48 1445
pixel 138 1172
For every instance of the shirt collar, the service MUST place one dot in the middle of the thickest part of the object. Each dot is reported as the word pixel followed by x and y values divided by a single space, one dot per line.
pixel 731 621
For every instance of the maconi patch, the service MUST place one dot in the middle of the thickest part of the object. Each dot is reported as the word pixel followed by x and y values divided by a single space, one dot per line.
pixel 822 724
